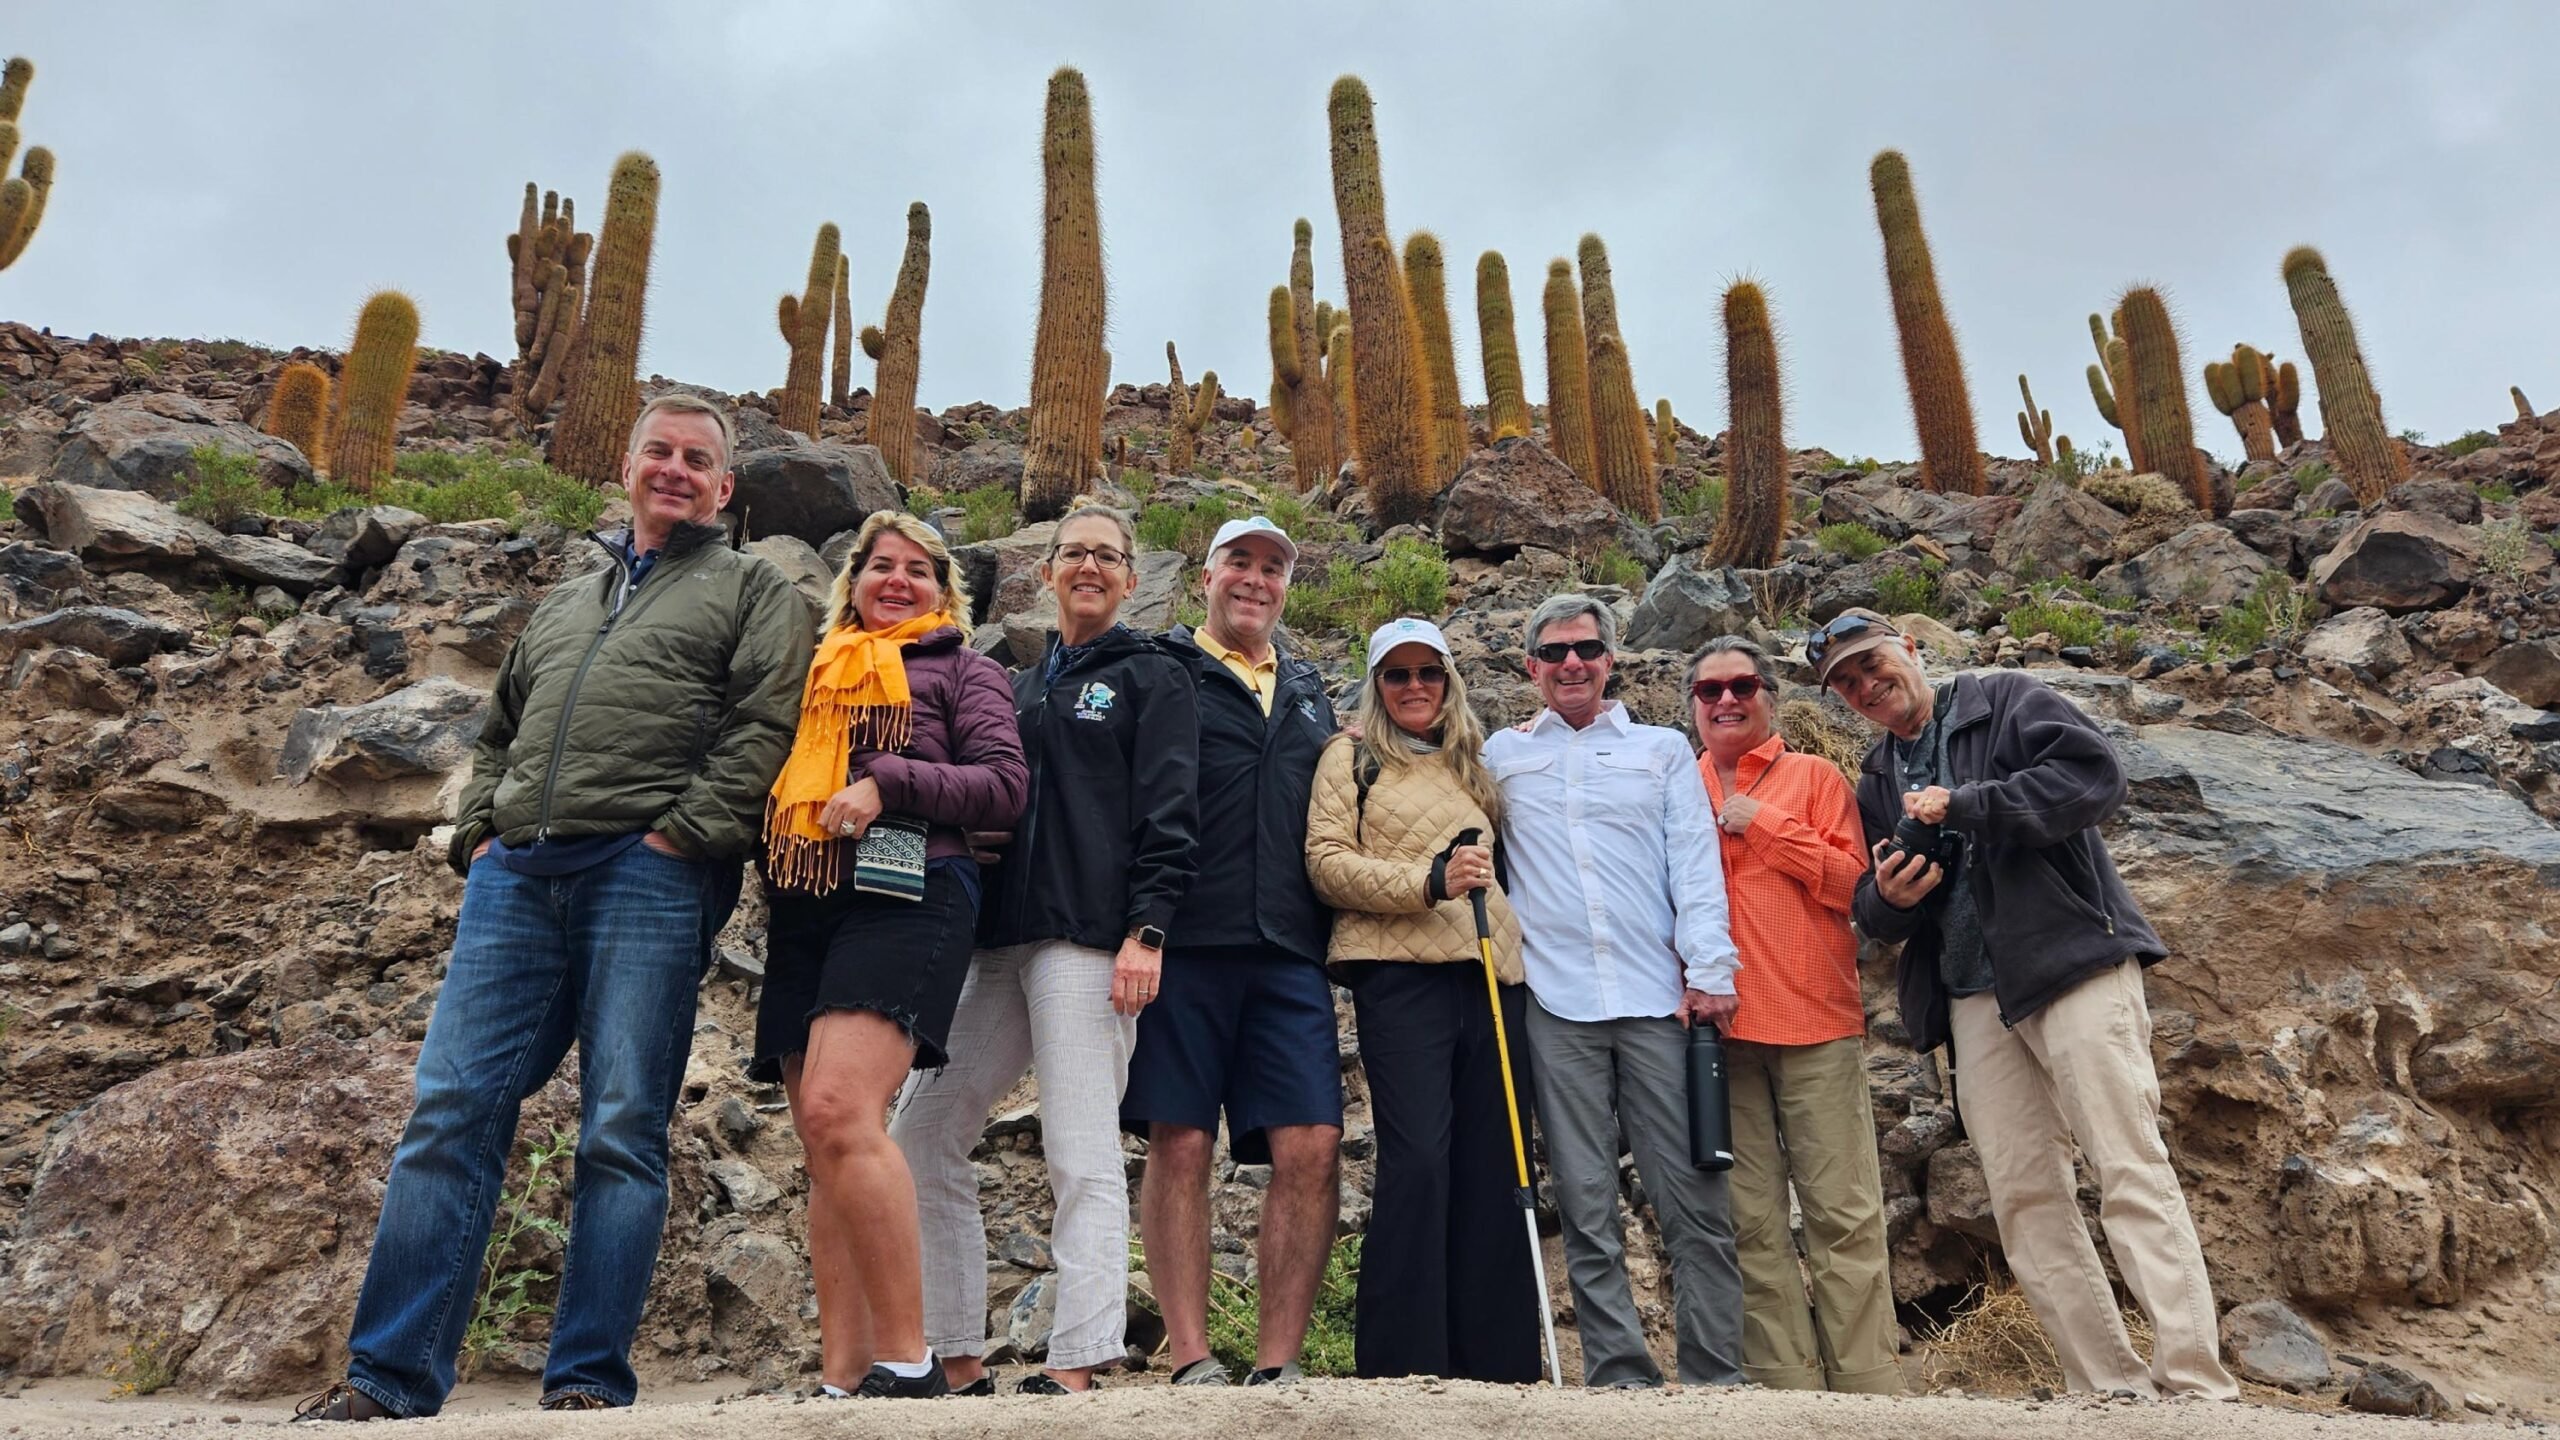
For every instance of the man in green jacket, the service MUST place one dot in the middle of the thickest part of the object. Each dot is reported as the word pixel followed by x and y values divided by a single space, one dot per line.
pixel 631 736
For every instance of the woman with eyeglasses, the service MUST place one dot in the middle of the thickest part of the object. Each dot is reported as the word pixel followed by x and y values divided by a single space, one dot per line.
pixel 1794 1064
pixel 1399 831
pixel 1070 951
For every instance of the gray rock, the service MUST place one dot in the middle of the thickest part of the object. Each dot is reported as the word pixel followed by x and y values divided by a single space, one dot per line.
pixel 422 729
pixel 2204 564
pixel 17 939
pixel 1959 1196
pixel 2435 495
pixel 142 441
pixel 1033 1314
pixel 2330 496
pixel 738 1120
pixel 1892 510
pixel 1684 607
pixel 34 569
pixel 265 560
pixel 2386 1389
pixel 746 1186
pixel 113 525
pixel 810 490
pixel 1518 493
pixel 362 538
pixel 756 1282
pixel 2401 560
pixel 1026 1249
pixel 987 463
pixel 2061 531
pixel 119 637
pixel 798 560
pixel 2265 1341
pixel 2361 639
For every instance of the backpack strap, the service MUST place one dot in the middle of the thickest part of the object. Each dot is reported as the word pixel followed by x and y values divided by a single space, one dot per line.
pixel 1364 773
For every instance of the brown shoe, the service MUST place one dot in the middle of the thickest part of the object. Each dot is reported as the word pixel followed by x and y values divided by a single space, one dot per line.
pixel 575 1400
pixel 342 1401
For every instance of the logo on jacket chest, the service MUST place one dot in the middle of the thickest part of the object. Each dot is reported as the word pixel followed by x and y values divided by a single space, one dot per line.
pixel 1094 701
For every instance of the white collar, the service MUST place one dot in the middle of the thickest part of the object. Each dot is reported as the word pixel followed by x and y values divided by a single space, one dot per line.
pixel 1612 714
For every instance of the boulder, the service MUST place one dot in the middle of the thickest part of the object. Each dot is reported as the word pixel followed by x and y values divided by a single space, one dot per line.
pixel 362 537
pixel 2363 639
pixel 2060 531
pixel 2203 564
pixel 2399 561
pixel 2266 1342
pixel 37 569
pixel 2330 497
pixel 988 463
pixel 77 680
pixel 2435 495
pixel 422 729
pixel 2386 1389
pixel 756 1283
pixel 1892 510
pixel 1020 635
pixel 800 563
pixel 141 442
pixel 1033 1315
pixel 113 526
pixel 1683 607
pixel 1959 1196
pixel 119 637
pixel 265 560
pixel 2529 670
pixel 1518 493
pixel 810 490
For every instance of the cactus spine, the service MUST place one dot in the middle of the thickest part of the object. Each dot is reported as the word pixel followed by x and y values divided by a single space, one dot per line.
pixel 1941 408
pixel 804 319
pixel 1390 388
pixel 1069 373
pixel 298 411
pixel 900 351
pixel 840 366
pixel 603 389
pixel 2524 407
pixel 1426 282
pixel 1190 413
pixel 1314 459
pixel 2160 396
pixel 2350 408
pixel 1621 451
pixel 22 199
pixel 1506 394
pixel 1666 429
pixel 1568 376
pixel 2035 426
pixel 373 388
pixel 549 253
pixel 1755 496
pixel 2238 389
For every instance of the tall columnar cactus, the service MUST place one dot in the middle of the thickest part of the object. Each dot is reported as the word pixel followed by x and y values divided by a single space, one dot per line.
pixel 1337 377
pixel 1189 413
pixel 2284 402
pixel 1505 392
pixel 2350 408
pixel 804 319
pixel 603 385
pixel 21 199
pixel 1666 432
pixel 1622 453
pixel 2035 426
pixel 1426 284
pixel 2524 407
pixel 373 388
pixel 1755 494
pixel 1069 374
pixel 897 342
pixel 2128 405
pixel 298 411
pixel 2102 386
pixel 2238 389
pixel 1316 453
pixel 1288 371
pixel 2160 390
pixel 549 253
pixel 1568 376
pixel 1390 386
pixel 840 360
pixel 1941 407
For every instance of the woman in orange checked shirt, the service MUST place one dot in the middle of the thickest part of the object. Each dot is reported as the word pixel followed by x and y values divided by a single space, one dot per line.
pixel 1793 851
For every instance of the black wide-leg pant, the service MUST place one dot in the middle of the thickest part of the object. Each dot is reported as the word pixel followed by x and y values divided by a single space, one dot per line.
pixel 1445 1281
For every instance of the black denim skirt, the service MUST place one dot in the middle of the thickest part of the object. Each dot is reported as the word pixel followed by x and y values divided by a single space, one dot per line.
pixel 851 950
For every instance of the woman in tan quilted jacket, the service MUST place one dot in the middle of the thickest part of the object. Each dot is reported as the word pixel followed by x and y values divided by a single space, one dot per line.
pixel 1445 1280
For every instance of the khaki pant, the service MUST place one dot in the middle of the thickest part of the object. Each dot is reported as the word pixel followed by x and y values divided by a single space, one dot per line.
pixel 1801 1114
pixel 2081 1069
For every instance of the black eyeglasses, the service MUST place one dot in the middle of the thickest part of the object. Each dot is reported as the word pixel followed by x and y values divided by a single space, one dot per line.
pixel 1554 651
pixel 1840 628
pixel 1711 691
pixel 1400 676
pixel 1069 557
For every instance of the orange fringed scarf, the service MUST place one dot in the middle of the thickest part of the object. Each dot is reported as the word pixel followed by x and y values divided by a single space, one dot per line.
pixel 856 694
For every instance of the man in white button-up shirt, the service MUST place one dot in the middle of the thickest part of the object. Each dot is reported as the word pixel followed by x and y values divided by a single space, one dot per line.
pixel 1618 880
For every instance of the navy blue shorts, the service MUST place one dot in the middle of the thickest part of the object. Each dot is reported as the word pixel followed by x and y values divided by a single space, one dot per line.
pixel 1249 1031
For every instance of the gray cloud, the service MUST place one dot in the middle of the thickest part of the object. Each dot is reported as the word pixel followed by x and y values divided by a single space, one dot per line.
pixel 255 169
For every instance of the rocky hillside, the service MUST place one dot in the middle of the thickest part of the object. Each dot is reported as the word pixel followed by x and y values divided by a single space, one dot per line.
pixel 232 718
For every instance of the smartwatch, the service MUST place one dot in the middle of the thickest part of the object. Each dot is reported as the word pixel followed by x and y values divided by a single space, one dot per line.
pixel 1151 936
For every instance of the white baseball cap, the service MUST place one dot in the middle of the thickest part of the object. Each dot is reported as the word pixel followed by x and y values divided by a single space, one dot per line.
pixel 1407 631
pixel 1255 527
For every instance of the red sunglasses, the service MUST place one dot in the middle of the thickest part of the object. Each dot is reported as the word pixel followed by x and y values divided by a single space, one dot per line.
pixel 1711 691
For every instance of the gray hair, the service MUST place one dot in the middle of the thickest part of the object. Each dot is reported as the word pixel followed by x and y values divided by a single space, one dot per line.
pixel 1737 645
pixel 1560 608
pixel 680 402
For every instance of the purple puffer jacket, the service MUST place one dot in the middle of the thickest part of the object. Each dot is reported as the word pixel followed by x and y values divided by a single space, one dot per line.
pixel 963 769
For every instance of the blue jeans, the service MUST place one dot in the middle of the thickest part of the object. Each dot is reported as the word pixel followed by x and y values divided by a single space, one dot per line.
pixel 610 957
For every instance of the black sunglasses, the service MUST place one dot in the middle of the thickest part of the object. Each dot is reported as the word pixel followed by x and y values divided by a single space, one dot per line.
pixel 1711 691
pixel 1403 675
pixel 1840 628
pixel 1554 651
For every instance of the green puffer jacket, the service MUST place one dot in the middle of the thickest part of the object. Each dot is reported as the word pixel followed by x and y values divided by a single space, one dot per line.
pixel 668 707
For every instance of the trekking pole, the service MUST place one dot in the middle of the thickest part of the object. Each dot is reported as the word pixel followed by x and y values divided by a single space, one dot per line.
pixel 1526 1195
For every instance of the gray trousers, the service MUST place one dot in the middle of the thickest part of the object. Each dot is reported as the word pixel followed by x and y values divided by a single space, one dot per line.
pixel 1594 1077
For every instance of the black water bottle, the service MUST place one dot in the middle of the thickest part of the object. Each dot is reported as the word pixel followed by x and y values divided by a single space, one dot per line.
pixel 1710 1121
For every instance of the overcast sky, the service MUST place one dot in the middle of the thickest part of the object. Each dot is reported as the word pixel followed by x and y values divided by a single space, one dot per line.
pixel 254 168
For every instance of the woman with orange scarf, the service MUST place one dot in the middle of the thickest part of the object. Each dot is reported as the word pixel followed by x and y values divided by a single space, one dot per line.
pixel 906 740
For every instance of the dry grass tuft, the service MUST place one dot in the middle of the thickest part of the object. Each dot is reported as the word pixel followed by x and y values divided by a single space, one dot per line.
pixel 1811 728
pixel 1992 1343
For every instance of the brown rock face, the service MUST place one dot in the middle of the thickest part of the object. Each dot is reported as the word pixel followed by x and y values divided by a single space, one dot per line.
pixel 2400 561
pixel 1517 494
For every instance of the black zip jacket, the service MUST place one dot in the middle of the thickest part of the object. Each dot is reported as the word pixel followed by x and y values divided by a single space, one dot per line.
pixel 1104 844
pixel 2034 779
pixel 1256 775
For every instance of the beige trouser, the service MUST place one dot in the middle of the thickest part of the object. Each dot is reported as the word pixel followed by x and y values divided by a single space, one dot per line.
pixel 2081 1068
pixel 1801 1114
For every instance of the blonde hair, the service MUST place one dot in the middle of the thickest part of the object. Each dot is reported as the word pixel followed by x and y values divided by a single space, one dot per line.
pixel 1461 749
pixel 955 592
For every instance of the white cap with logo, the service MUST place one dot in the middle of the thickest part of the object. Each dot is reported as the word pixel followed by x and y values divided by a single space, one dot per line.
pixel 1255 527
pixel 1407 631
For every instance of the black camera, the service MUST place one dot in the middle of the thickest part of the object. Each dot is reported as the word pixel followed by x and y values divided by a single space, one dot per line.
pixel 1914 836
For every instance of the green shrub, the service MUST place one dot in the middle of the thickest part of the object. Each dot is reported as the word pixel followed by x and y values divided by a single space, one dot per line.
pixel 1412 578
pixel 1302 521
pixel 1855 541
pixel 2505 546
pixel 2069 624
pixel 923 500
pixel 1614 566
pixel 1234 1320
pixel 987 513
pixel 2411 436
pixel 506 1296
pixel 2496 492
pixel 2469 441
pixel 2277 612
pixel 1704 498
pixel 2308 475
pixel 1913 588
pixel 226 487
pixel 1188 529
